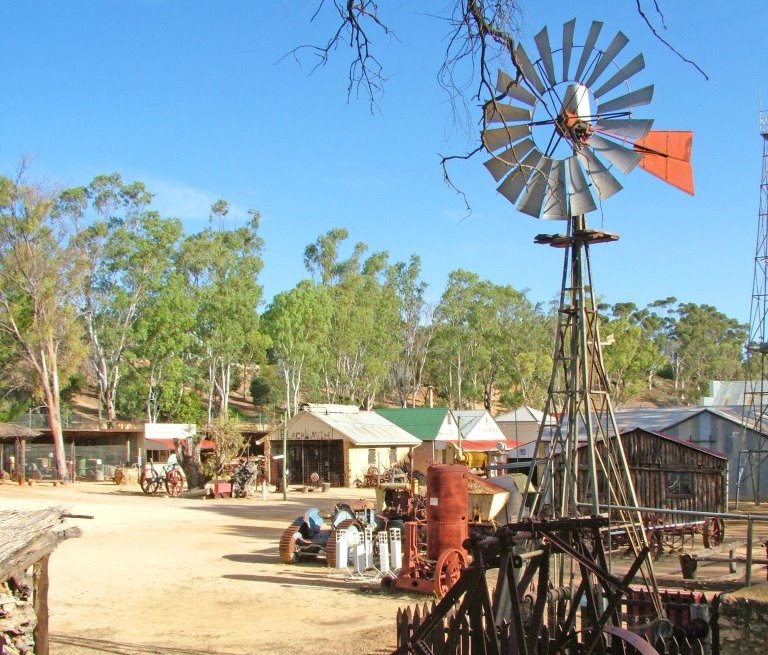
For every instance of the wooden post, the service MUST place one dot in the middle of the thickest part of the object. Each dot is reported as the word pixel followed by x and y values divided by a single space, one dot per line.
pixel 40 578
pixel 21 460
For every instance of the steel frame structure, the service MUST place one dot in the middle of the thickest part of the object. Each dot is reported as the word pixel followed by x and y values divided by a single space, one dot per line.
pixel 755 386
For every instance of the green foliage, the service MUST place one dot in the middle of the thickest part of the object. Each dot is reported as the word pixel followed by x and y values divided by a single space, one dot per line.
pixel 221 269
pixel 41 266
pixel 710 345
pixel 76 382
pixel 264 388
pixel 631 354
pixel 229 444
pixel 299 325
pixel 489 339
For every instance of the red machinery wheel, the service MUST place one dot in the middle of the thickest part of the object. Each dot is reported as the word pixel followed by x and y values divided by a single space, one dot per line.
pixel 330 545
pixel 713 532
pixel 288 544
pixel 448 570
pixel 174 483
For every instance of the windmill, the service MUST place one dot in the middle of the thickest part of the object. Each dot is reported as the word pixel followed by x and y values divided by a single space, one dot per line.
pixel 753 452
pixel 557 134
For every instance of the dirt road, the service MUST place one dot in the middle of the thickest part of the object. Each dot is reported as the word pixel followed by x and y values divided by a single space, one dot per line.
pixel 192 576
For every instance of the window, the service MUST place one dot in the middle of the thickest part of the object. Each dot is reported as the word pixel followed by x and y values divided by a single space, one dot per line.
pixel 393 456
pixel 371 457
pixel 679 484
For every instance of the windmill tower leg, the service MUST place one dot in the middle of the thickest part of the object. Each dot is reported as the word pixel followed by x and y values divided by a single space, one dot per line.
pixel 580 465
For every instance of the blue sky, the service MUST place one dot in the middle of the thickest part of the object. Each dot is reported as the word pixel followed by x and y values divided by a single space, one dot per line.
pixel 195 99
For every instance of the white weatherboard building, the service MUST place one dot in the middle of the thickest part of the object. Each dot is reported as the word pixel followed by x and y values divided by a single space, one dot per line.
pixel 340 443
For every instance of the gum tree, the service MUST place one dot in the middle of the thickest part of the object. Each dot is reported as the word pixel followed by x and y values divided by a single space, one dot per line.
pixel 40 267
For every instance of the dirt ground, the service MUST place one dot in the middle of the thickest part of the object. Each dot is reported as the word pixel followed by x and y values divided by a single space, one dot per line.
pixel 180 576
pixel 177 576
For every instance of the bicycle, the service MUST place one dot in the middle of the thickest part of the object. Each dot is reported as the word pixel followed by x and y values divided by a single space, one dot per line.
pixel 170 476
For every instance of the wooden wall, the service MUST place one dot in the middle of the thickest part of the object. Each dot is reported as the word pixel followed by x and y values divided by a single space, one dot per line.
pixel 652 459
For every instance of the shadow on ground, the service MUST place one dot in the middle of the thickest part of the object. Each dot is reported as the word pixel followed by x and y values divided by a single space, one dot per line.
pixel 86 645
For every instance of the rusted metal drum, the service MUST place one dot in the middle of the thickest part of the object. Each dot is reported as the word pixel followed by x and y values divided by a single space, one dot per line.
pixel 447 502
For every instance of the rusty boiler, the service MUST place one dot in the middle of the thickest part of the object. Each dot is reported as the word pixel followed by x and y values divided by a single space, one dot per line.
pixel 438 566
pixel 447 505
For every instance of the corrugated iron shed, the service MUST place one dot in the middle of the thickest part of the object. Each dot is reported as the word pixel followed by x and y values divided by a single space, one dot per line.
pixel 360 427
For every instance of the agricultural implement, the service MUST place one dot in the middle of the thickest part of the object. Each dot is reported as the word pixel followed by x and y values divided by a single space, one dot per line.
pixel 670 537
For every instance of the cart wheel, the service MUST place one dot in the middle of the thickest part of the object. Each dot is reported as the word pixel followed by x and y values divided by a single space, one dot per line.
pixel 448 570
pixel 713 532
pixel 174 483
pixel 150 484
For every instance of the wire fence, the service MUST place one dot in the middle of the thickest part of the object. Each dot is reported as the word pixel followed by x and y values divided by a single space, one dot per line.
pixel 84 462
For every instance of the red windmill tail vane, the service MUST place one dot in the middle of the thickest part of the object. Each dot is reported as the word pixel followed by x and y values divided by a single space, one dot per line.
pixel 667 155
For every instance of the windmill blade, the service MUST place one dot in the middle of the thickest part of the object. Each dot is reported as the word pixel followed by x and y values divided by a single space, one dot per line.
pixel 529 72
pixel 507 86
pixel 568 30
pixel 504 136
pixel 614 48
pixel 623 158
pixel 497 112
pixel 622 75
pixel 632 99
pixel 579 195
pixel 602 179
pixel 511 187
pixel 500 164
pixel 533 197
pixel 624 128
pixel 589 46
pixel 545 52
pixel 555 199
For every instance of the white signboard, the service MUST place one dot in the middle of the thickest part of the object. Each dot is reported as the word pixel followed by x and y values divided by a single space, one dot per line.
pixel 169 430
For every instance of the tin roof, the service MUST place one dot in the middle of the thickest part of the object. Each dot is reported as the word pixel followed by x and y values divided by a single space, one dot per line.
pixel 524 414
pixel 13 430
pixel 360 427
pixel 421 422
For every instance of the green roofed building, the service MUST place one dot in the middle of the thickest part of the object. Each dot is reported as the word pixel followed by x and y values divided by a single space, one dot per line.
pixel 424 423
pixel 443 433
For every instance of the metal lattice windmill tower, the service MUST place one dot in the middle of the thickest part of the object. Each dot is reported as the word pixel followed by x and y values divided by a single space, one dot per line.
pixel 753 452
pixel 564 127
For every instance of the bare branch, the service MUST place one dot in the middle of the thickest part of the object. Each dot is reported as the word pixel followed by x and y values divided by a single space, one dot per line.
pixel 365 71
pixel 660 38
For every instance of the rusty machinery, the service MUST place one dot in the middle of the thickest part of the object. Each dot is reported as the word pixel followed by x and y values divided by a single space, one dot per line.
pixel 313 535
pixel 435 566
pixel 528 612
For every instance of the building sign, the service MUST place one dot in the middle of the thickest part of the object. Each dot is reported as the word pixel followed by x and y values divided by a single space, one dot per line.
pixel 311 435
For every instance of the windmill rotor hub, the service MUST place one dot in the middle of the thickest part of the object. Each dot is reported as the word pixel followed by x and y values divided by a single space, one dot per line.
pixel 573 127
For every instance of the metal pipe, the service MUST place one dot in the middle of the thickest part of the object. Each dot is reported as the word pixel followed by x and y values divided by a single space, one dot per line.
pixel 748 572
pixel 685 512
